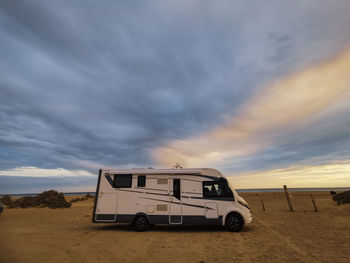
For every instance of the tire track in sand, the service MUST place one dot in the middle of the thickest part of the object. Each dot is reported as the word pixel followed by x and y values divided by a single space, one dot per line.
pixel 309 257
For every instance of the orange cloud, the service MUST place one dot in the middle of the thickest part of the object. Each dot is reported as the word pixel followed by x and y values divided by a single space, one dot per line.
pixel 285 104
pixel 328 175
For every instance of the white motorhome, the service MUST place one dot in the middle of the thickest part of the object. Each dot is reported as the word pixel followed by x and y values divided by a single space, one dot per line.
pixel 144 197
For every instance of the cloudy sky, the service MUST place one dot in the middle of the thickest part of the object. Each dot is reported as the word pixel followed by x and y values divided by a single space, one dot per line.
pixel 257 89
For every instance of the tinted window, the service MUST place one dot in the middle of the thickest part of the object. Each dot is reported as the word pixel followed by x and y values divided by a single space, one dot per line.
pixel 216 189
pixel 141 181
pixel 122 181
pixel 176 188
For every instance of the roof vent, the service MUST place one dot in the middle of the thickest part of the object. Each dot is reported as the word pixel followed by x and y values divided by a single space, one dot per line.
pixel 177 166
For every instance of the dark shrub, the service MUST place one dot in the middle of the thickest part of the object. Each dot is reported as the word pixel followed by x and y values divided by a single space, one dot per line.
pixel 51 199
pixel 342 198
pixel 6 200
pixel 26 201
pixel 75 200
pixel 85 197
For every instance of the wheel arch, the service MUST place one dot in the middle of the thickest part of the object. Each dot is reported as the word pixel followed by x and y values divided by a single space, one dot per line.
pixel 232 211
pixel 141 214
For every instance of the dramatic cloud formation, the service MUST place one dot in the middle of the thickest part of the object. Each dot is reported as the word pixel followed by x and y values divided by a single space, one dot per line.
pixel 37 172
pixel 34 180
pixel 245 86
pixel 284 106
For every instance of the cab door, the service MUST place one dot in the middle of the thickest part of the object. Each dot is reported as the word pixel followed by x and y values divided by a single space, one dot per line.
pixel 211 210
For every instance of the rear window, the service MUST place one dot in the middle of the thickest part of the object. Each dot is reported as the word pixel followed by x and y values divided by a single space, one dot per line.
pixel 122 180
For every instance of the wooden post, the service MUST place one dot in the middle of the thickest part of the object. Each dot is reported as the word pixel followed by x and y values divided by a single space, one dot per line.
pixel 288 199
pixel 314 203
pixel 263 206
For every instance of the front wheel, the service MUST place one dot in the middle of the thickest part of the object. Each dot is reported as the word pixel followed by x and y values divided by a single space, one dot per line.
pixel 141 223
pixel 234 222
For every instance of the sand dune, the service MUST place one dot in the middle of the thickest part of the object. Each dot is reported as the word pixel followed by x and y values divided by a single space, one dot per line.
pixel 68 235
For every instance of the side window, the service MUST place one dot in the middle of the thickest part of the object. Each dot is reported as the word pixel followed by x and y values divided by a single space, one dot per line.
pixel 216 189
pixel 176 188
pixel 122 180
pixel 141 181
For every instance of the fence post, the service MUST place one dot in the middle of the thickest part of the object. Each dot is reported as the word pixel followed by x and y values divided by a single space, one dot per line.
pixel 288 199
pixel 314 203
pixel 263 206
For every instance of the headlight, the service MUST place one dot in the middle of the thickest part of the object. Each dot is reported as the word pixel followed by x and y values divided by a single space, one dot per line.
pixel 244 204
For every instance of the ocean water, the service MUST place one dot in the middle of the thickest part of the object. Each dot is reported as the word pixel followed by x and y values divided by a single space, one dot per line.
pixel 315 189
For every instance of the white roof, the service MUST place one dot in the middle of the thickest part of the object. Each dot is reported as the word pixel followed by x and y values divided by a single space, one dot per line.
pixel 179 171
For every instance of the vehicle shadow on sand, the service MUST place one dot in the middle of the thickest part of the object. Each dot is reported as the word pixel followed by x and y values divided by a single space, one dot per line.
pixel 168 228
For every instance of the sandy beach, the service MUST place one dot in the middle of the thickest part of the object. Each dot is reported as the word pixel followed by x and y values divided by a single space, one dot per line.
pixel 276 235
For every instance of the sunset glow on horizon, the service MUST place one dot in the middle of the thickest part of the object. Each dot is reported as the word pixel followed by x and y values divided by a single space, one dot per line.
pixel 322 176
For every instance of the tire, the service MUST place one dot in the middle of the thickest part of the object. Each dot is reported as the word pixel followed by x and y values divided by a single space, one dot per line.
pixel 141 223
pixel 234 222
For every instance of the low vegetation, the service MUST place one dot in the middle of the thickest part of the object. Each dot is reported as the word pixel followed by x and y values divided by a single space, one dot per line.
pixel 51 198
pixel 6 200
pixel 342 198
pixel 85 197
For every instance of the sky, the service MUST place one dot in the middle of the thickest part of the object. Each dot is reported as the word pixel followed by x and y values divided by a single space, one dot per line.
pixel 259 90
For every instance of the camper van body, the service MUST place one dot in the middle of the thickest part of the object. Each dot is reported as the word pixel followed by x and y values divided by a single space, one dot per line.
pixel 167 196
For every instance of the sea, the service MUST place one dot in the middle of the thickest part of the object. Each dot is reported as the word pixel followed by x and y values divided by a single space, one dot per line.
pixel 316 189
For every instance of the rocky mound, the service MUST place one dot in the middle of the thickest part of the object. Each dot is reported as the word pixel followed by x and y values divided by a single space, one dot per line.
pixel 342 198
pixel 52 199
